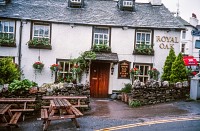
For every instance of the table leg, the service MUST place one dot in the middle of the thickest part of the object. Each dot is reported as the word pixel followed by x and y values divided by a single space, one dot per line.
pixel 24 108
pixel 75 122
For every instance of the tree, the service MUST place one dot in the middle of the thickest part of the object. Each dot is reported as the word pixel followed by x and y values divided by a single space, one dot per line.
pixel 178 71
pixel 9 71
pixel 168 64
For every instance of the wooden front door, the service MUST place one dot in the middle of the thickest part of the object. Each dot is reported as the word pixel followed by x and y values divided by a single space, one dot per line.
pixel 99 79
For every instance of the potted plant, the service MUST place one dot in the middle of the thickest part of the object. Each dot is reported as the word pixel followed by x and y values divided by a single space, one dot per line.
pixel 101 48
pixel 38 65
pixel 40 43
pixel 55 67
pixel 143 49
pixel 126 91
pixel 6 41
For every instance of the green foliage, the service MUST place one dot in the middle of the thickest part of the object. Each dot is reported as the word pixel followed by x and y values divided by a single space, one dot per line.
pixel 127 88
pixel 135 103
pixel 101 48
pixel 168 65
pixel 41 41
pixel 178 70
pixel 8 71
pixel 24 85
pixel 144 49
pixel 154 73
pixel 5 40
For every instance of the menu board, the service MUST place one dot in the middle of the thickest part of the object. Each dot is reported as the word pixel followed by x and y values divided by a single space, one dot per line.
pixel 124 67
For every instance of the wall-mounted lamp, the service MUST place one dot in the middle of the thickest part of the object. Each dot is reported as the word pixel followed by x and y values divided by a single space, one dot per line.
pixel 124 28
pixel 72 25
pixel 112 68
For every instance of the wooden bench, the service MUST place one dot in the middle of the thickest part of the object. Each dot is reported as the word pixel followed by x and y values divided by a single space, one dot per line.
pixel 44 114
pixel 76 112
pixel 78 98
pixel 14 119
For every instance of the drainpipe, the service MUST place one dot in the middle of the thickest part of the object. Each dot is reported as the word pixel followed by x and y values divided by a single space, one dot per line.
pixel 20 44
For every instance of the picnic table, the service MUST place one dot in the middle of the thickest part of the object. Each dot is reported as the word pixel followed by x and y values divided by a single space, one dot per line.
pixel 59 109
pixel 19 101
pixel 11 120
pixel 78 98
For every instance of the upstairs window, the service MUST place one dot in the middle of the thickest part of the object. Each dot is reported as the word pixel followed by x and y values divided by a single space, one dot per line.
pixel 41 31
pixel 76 1
pixel 101 36
pixel 183 34
pixel 128 3
pixel 143 37
pixel 183 48
pixel 7 29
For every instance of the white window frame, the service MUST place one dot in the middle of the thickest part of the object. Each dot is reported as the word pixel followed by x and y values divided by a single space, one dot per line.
pixel 145 41
pixel 143 75
pixel 66 64
pixel 11 34
pixel 183 45
pixel 43 27
pixel 127 3
pixel 76 1
pixel 104 37
pixel 183 34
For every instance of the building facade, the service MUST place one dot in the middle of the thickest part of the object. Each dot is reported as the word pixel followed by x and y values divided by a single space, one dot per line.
pixel 138 34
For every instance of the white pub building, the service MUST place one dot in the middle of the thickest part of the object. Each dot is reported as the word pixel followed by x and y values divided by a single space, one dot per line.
pixel 139 35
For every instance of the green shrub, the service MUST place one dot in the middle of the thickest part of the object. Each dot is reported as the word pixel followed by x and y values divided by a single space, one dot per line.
pixel 127 88
pixel 135 103
pixel 21 86
pixel 8 71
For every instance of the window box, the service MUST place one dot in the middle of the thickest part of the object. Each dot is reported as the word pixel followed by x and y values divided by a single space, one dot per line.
pixel 42 43
pixel 7 42
pixel 143 50
pixel 101 48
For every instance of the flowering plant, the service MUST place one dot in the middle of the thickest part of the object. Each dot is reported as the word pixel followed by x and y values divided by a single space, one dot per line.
pixel 55 67
pixel 38 65
pixel 134 71
pixel 154 73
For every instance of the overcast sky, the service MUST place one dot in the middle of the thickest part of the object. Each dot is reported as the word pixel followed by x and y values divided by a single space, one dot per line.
pixel 186 7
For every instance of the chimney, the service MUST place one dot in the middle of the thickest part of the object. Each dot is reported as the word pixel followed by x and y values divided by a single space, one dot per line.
pixel 193 20
pixel 155 2
pixel 3 2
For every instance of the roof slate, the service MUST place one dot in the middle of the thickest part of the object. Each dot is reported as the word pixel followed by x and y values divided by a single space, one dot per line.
pixel 95 12
pixel 184 22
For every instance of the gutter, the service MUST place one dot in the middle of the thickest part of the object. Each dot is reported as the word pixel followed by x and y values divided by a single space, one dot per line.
pixel 20 44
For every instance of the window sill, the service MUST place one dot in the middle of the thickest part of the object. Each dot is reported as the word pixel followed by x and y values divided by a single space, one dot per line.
pixel 8 45
pixel 48 47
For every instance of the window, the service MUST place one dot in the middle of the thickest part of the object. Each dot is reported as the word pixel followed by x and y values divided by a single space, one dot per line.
pixel 65 74
pixel 76 1
pixel 101 36
pixel 183 34
pixel 143 37
pixel 143 68
pixel 41 31
pixel 128 3
pixel 7 29
pixel 183 48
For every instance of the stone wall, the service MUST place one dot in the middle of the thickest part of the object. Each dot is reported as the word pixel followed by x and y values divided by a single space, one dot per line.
pixel 158 92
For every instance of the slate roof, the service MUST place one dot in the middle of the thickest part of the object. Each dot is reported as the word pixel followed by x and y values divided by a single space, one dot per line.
pixel 184 22
pixel 95 12
pixel 107 57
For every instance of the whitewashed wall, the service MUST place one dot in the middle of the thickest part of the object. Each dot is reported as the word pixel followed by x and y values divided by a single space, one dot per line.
pixel 68 43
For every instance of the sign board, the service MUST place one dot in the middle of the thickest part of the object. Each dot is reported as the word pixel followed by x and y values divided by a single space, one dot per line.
pixel 123 70
pixel 195 32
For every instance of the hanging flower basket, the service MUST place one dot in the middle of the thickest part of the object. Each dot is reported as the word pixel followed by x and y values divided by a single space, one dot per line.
pixel 154 73
pixel 55 67
pixel 38 65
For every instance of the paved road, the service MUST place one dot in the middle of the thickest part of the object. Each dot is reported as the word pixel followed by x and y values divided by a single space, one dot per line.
pixel 175 116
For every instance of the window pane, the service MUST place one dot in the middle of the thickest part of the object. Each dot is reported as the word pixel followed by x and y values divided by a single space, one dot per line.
pixel 47 33
pixel 143 37
pixel 41 32
pixel 100 41
pixel 147 37
pixel 95 35
pixel 0 26
pixel 11 36
pixel 5 26
pixel 106 37
pixel 96 41
pixel 138 37
pixel 101 36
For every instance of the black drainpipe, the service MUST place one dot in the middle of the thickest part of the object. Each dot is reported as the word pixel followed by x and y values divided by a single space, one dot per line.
pixel 20 44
